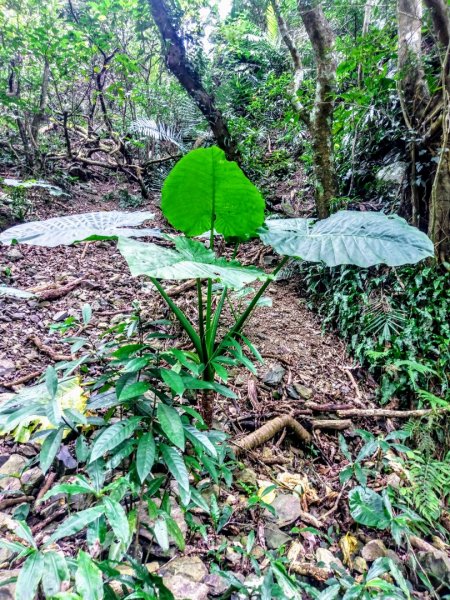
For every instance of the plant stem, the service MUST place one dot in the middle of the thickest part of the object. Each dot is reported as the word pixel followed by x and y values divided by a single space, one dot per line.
pixel 182 318
pixel 201 329
pixel 237 327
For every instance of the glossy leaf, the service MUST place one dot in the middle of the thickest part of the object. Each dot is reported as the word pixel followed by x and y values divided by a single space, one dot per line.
pixel 117 518
pixel 205 188
pixel 56 572
pixel 76 522
pixel 176 466
pixel 171 424
pixel 145 455
pixel 30 576
pixel 367 508
pixel 50 448
pixel 114 435
pixel 88 578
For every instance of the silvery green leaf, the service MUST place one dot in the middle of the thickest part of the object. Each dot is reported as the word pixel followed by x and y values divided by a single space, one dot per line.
pixel 349 237
pixel 74 228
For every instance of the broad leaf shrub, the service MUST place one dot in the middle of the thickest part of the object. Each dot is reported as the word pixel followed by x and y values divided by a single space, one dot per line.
pixel 396 322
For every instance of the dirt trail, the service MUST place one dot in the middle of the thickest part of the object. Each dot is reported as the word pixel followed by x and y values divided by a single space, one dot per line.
pixel 287 334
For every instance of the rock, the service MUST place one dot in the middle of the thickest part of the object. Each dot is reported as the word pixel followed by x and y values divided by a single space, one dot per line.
pixel 217 584
pixel 326 559
pixel 184 588
pixel 232 556
pixel 247 476
pixel 373 550
pixel 60 316
pixel 14 254
pixel 275 538
pixel 303 391
pixel 392 174
pixel 175 512
pixel 12 468
pixel 8 591
pixel 436 564
pixel 31 479
pixel 191 567
pixel 7 366
pixel 360 565
pixel 274 376
pixel 287 507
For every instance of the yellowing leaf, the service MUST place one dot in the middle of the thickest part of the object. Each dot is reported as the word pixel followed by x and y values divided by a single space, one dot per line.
pixel 348 545
pixel 299 484
pixel 271 494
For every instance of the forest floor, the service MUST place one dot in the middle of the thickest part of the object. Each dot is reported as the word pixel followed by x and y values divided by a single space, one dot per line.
pixel 306 373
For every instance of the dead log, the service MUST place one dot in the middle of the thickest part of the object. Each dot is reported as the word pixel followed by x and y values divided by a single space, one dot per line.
pixel 269 430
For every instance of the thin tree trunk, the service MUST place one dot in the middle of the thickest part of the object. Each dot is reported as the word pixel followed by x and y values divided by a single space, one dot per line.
pixel 178 63
pixel 40 113
pixel 323 42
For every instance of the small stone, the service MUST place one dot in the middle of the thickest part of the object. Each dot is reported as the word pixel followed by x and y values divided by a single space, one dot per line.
pixel 232 556
pixel 31 479
pixel 14 255
pixel 191 567
pixel 287 509
pixel 6 367
pixel 373 550
pixel 436 564
pixel 247 476
pixel 303 391
pixel 360 565
pixel 326 559
pixel 275 538
pixel 274 376
pixel 292 392
pixel 184 588
pixel 12 468
pixel 60 316
pixel 217 584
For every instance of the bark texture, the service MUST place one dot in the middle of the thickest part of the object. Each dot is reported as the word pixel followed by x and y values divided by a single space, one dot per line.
pixel 178 63
pixel 321 122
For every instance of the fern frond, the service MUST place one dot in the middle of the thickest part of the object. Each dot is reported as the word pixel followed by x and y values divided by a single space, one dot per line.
pixel 157 131
pixel 430 484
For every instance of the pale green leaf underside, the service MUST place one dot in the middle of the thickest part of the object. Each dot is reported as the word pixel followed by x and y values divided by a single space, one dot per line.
pixel 190 260
pixel 349 238
pixel 205 185
pixel 72 228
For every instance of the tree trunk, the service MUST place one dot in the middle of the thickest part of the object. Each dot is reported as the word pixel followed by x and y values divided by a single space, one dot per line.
pixel 323 42
pixel 178 63
pixel 39 115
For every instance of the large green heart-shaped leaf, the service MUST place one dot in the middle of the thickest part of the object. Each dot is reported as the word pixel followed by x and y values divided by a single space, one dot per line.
pixel 73 228
pixel 204 188
pixel 349 238
pixel 190 260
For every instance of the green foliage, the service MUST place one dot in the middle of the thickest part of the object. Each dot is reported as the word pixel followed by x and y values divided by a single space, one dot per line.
pixel 220 196
pixel 409 356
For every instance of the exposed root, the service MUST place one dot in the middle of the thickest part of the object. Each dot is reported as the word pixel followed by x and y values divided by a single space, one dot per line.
pixel 56 356
pixel 58 292
pixel 269 430
pixel 19 380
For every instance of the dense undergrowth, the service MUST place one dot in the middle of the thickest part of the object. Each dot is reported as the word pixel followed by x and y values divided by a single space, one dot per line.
pixel 395 322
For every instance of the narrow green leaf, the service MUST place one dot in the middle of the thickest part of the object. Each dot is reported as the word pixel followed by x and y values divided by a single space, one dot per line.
pixel 176 466
pixel 88 578
pixel 145 455
pixel 113 436
pixel 161 533
pixel 30 576
pixel 200 439
pixel 117 518
pixel 49 449
pixel 173 380
pixel 171 424
pixel 56 572
pixel 76 523
pixel 134 390
pixel 175 532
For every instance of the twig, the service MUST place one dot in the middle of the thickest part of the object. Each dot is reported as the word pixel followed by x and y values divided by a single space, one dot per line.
pixel 19 380
pixel 47 485
pixel 13 501
pixel 352 381
pixel 59 292
pixel 336 424
pixel 183 287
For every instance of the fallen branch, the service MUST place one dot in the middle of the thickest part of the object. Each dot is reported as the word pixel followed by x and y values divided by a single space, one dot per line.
pixel 13 501
pixel 337 424
pixel 59 292
pixel 308 570
pixel 269 430
pixel 56 356
pixel 176 290
pixel 389 413
pixel 19 380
